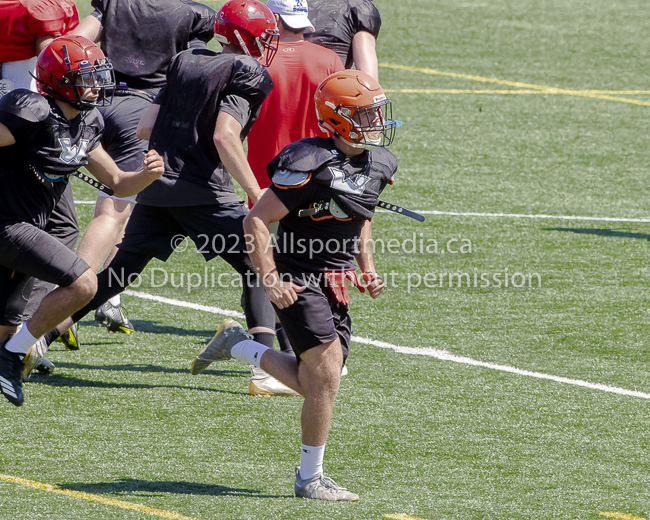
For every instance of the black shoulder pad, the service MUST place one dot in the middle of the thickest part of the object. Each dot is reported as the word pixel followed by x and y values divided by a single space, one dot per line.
pixel 384 161
pixel 250 79
pixel 304 156
pixel 26 105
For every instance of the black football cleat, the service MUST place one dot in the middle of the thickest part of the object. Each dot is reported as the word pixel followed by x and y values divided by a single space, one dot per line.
pixel 11 375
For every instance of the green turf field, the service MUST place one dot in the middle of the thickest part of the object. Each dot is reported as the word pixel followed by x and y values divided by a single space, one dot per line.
pixel 466 399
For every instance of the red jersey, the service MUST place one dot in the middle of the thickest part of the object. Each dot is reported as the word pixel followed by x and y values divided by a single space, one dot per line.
pixel 289 114
pixel 22 22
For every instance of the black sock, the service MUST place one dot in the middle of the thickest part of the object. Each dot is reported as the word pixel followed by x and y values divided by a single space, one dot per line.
pixel 50 337
pixel 265 338
pixel 283 339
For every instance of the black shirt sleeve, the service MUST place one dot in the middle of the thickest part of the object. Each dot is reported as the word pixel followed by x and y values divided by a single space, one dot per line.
pixel 203 26
pixel 99 7
pixel 21 111
pixel 238 107
pixel 365 17
pixel 251 82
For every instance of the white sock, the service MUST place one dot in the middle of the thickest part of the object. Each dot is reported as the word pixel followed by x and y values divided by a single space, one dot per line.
pixel 115 301
pixel 21 342
pixel 249 351
pixel 311 461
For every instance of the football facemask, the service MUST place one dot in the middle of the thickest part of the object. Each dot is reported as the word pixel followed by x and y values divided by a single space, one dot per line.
pixel 371 126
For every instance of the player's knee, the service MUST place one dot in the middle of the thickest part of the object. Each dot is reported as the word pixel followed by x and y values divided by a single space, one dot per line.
pixel 85 286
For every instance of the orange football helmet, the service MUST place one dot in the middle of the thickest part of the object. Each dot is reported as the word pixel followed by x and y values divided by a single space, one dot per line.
pixel 353 106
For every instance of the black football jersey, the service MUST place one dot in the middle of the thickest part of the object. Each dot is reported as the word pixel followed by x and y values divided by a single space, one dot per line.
pixel 140 37
pixel 200 84
pixel 34 171
pixel 312 173
pixel 337 21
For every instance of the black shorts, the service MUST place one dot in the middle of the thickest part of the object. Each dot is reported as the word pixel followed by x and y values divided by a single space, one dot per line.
pixel 25 252
pixel 215 229
pixel 121 120
pixel 315 317
pixel 63 226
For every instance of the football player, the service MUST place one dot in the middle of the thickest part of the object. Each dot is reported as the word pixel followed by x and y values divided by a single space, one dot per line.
pixel 349 27
pixel 26 28
pixel 140 37
pixel 44 138
pixel 197 123
pixel 287 115
pixel 324 193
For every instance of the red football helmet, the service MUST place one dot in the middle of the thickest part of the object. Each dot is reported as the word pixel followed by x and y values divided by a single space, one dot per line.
pixel 353 106
pixel 249 25
pixel 70 62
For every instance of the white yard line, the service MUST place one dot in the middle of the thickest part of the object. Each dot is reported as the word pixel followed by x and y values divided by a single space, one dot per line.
pixel 430 352
pixel 523 215
pixel 491 215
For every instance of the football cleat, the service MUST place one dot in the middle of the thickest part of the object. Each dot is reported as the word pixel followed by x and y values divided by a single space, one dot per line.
pixel 45 366
pixel 265 384
pixel 321 487
pixel 70 338
pixel 219 347
pixel 33 357
pixel 113 318
pixel 11 372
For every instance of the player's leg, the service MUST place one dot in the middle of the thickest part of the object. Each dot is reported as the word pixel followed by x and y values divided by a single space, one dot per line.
pixel 63 226
pixel 98 245
pixel 148 234
pixel 26 250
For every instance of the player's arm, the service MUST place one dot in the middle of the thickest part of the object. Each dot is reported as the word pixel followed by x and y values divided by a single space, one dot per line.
pixel 6 137
pixel 146 124
pixel 364 53
pixel 227 139
pixel 366 262
pixel 90 27
pixel 256 226
pixel 125 184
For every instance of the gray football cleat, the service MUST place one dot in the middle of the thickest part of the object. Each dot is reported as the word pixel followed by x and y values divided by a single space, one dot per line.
pixel 113 318
pixel 218 349
pixel 45 366
pixel 263 383
pixel 321 487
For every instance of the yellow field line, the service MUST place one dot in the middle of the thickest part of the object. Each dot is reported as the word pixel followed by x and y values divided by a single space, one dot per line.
pixel 519 84
pixel 621 516
pixel 96 498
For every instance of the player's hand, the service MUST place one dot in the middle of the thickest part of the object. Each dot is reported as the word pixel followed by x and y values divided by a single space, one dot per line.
pixel 153 165
pixel 255 197
pixel 374 284
pixel 282 293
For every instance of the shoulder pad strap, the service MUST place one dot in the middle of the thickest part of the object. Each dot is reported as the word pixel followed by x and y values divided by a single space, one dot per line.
pixel 288 179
